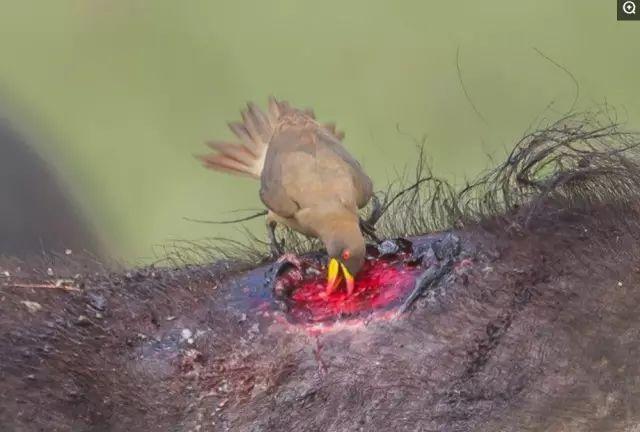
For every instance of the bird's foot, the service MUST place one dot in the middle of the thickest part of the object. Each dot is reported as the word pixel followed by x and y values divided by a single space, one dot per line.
pixel 377 210
pixel 276 248
pixel 369 230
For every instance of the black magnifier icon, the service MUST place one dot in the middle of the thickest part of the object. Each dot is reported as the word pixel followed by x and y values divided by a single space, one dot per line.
pixel 628 10
pixel 629 7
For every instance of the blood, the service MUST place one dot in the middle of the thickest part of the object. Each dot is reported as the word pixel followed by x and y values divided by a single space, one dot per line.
pixel 380 285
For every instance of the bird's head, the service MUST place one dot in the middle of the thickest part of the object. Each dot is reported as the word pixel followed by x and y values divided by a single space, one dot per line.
pixel 346 250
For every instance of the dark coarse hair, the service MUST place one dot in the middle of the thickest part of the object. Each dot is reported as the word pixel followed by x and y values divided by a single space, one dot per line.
pixel 538 328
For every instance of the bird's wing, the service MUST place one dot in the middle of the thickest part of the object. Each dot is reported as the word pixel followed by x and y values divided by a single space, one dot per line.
pixel 361 181
pixel 255 132
pixel 247 156
pixel 274 192
pixel 306 166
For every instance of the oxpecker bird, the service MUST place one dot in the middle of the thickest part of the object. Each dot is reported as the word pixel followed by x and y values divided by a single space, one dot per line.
pixel 308 180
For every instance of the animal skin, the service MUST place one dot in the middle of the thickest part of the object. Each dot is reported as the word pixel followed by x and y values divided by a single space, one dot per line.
pixel 534 328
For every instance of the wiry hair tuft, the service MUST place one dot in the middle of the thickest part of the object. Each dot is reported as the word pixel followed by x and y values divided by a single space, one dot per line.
pixel 577 162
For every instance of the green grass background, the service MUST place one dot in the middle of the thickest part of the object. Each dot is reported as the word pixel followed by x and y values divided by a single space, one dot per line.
pixel 120 94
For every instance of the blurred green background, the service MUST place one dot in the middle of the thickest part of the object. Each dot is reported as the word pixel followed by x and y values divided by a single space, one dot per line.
pixel 120 94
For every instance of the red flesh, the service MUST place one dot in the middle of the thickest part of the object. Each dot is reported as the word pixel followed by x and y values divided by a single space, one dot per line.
pixel 378 286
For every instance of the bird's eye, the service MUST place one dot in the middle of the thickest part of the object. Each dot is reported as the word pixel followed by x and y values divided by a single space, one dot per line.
pixel 346 254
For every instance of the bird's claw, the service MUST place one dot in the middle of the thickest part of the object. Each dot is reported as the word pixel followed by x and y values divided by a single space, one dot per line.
pixel 369 230
pixel 377 210
pixel 276 248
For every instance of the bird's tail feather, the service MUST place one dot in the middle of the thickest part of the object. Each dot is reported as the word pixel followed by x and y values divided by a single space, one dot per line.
pixel 247 156
pixel 255 131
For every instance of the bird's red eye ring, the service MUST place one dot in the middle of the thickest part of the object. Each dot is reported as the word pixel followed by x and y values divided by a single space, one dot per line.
pixel 346 254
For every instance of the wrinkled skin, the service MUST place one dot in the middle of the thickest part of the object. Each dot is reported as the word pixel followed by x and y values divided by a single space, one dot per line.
pixel 536 330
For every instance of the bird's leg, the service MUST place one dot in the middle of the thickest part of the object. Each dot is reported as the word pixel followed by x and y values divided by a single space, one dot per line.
pixel 376 212
pixel 367 226
pixel 369 230
pixel 276 247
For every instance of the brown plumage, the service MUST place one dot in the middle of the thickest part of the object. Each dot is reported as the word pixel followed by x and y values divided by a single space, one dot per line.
pixel 309 182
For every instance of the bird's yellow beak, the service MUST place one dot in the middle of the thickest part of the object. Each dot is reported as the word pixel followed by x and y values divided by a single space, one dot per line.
pixel 334 278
